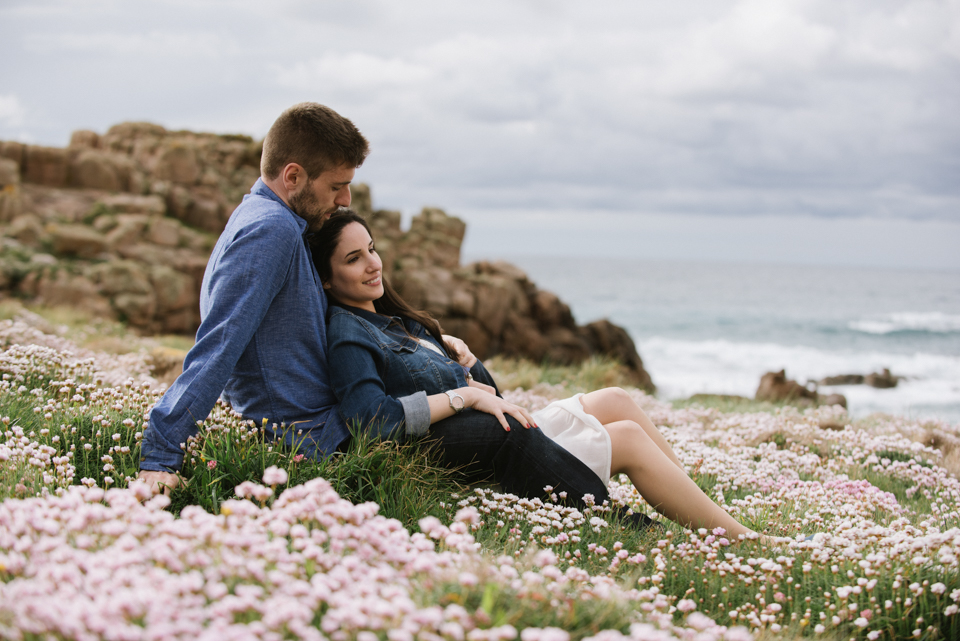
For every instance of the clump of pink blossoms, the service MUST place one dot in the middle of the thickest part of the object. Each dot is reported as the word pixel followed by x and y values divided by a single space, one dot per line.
pixel 312 564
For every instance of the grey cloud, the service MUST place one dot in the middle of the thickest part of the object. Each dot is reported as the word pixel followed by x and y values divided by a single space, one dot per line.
pixel 11 111
pixel 715 108
pixel 205 44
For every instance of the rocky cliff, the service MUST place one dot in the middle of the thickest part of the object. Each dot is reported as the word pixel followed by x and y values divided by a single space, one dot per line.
pixel 122 224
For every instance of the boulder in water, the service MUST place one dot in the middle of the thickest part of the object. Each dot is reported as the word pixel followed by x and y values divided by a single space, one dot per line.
pixel 776 387
pixel 882 380
pixel 834 399
pixel 842 379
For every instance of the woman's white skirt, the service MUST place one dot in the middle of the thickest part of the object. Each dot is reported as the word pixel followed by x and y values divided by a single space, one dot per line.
pixel 579 433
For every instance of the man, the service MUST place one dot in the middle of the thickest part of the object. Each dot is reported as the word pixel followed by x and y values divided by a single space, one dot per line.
pixel 262 338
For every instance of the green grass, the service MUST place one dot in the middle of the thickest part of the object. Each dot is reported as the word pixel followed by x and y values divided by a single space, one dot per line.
pixel 580 617
pixel 726 403
pixel 404 479
pixel 89 331
pixel 102 427
pixel 595 373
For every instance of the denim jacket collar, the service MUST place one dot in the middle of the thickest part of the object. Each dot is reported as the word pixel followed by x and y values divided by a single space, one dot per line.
pixel 380 321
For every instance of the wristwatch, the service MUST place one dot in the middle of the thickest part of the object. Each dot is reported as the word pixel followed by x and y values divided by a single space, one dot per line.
pixel 456 406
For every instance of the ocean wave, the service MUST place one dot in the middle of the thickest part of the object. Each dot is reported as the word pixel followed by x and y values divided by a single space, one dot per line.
pixel 681 368
pixel 933 322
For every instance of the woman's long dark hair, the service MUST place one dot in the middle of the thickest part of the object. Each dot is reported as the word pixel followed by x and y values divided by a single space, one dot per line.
pixel 325 242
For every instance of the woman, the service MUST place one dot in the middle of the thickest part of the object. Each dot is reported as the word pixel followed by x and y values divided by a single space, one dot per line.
pixel 383 353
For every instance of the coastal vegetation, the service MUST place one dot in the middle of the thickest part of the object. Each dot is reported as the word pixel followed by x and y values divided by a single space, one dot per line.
pixel 382 543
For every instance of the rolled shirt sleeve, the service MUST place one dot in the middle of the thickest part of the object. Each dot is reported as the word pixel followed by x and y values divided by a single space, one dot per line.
pixel 416 413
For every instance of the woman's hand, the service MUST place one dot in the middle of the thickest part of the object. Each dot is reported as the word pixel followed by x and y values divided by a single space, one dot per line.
pixel 483 401
pixel 481 386
pixel 467 359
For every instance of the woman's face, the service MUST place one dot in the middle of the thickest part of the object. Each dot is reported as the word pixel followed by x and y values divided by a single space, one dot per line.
pixel 355 269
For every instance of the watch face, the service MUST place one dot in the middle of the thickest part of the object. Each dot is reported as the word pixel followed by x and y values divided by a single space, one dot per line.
pixel 456 401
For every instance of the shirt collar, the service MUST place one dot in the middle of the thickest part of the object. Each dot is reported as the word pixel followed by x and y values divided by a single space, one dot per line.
pixel 261 189
pixel 381 321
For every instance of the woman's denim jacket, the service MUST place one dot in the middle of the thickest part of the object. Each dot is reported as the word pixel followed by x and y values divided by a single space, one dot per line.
pixel 382 374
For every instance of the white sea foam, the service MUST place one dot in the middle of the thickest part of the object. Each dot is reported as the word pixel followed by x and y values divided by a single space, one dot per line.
pixel 908 321
pixel 681 368
pixel 714 327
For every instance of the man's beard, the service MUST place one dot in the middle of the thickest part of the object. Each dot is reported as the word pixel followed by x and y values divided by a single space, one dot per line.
pixel 305 204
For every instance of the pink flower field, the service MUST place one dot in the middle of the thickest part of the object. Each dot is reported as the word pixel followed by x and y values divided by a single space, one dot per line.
pixel 85 553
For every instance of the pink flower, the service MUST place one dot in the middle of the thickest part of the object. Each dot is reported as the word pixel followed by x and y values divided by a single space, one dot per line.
pixel 273 475
pixel 246 490
pixel 468 515
pixel 543 558
pixel 686 605
pixel 212 465
pixel 544 634
pixel 699 621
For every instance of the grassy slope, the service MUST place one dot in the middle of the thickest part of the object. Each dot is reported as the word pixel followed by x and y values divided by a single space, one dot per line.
pixel 769 465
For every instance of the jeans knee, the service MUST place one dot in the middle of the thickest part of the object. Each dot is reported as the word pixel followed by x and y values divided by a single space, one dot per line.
pixel 519 434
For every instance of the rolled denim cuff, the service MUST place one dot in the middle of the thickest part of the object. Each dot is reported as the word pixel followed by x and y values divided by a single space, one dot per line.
pixel 416 413
pixel 171 465
pixel 156 455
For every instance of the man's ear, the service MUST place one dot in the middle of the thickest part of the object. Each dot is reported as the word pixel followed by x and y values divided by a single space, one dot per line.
pixel 326 285
pixel 293 176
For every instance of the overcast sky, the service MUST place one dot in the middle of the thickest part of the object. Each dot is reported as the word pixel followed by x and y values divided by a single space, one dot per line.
pixel 797 131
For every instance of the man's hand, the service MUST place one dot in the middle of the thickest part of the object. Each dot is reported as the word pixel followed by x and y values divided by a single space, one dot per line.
pixel 467 359
pixel 159 482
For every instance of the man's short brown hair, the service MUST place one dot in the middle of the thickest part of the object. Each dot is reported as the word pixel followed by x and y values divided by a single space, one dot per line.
pixel 315 137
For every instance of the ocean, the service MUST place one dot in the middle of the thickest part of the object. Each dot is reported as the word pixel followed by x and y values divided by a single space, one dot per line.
pixel 717 327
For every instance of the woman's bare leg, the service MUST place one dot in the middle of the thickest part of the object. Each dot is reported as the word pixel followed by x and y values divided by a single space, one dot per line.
pixel 663 483
pixel 612 404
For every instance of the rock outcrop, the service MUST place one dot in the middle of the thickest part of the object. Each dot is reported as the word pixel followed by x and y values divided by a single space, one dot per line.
pixel 777 388
pixel 842 379
pixel 880 380
pixel 199 177
pixel 834 399
pixel 122 224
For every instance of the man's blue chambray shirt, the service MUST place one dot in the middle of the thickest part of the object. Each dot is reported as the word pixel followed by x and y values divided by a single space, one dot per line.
pixel 261 341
